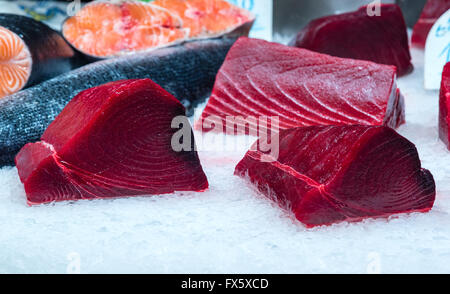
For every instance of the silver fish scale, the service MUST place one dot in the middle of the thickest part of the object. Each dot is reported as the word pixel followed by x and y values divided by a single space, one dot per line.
pixel 187 71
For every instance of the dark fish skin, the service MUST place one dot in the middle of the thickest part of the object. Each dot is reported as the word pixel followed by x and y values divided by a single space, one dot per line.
pixel 51 54
pixel 187 71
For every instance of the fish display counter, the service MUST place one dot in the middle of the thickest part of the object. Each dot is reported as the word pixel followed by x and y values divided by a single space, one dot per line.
pixel 213 136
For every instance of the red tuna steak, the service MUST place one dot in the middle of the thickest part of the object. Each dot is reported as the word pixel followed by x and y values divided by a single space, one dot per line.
pixel 432 11
pixel 302 88
pixel 381 39
pixel 110 141
pixel 444 106
pixel 328 174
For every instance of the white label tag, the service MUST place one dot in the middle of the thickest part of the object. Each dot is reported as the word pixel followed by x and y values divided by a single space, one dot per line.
pixel 263 10
pixel 437 52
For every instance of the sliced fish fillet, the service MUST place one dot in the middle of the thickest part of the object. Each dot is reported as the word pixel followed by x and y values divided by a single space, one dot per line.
pixel 111 141
pixel 15 62
pixel 329 174
pixel 432 11
pixel 301 88
pixel 103 29
pixel 208 18
pixel 444 106
pixel 381 39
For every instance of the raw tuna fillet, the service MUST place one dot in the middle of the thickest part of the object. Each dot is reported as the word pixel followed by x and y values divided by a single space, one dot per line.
pixel 329 174
pixel 444 106
pixel 381 39
pixel 302 88
pixel 432 11
pixel 110 141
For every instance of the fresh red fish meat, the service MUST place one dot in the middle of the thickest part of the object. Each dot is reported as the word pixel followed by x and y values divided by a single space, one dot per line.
pixel 444 106
pixel 301 88
pixel 381 39
pixel 329 174
pixel 432 11
pixel 111 141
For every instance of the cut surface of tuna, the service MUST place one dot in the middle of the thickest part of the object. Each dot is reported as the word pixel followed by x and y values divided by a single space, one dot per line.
pixel 110 141
pixel 444 106
pixel 432 11
pixel 301 88
pixel 329 174
pixel 381 39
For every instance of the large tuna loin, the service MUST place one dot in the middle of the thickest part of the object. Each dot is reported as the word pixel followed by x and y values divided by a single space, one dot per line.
pixel 329 174
pixel 110 141
pixel 444 106
pixel 301 88
pixel 432 11
pixel 381 39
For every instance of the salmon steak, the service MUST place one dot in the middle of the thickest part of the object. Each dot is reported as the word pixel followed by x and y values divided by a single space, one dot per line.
pixel 106 29
pixel 111 141
pixel 330 174
pixel 432 11
pixel 300 88
pixel 444 106
pixel 209 18
pixel 381 39
pixel 30 52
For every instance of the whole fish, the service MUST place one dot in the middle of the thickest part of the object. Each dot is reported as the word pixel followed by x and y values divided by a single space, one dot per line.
pixel 186 71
